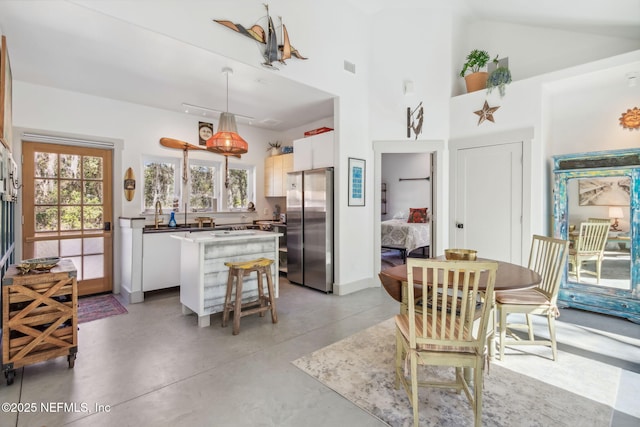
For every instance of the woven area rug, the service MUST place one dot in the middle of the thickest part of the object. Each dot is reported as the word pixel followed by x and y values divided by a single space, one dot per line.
pixel 361 369
pixel 98 307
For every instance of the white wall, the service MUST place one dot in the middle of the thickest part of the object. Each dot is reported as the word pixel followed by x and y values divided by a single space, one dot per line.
pixel 409 45
pixel 138 127
pixel 403 195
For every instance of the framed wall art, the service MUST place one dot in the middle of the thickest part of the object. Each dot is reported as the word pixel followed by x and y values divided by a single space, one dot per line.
pixel 357 174
pixel 205 131
pixel 604 191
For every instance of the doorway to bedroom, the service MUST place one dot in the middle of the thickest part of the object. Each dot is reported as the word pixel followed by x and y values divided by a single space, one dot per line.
pixel 407 176
pixel 405 207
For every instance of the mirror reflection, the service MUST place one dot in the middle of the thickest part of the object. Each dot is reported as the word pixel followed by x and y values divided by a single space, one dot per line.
pixel 599 231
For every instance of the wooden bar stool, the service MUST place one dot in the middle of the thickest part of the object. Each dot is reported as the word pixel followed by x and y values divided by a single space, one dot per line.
pixel 264 303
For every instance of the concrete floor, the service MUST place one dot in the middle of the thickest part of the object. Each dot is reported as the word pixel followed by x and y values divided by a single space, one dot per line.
pixel 156 367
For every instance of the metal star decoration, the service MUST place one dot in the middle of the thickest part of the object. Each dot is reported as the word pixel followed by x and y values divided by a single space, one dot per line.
pixel 486 113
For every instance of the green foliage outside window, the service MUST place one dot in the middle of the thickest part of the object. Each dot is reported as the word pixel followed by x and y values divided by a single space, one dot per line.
pixel 159 184
pixel 201 197
pixel 72 182
pixel 204 178
pixel 237 191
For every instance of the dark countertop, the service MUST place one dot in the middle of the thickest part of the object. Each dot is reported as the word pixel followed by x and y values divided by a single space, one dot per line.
pixel 164 228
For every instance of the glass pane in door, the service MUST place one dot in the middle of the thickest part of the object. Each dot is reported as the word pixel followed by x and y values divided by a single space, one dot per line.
pixel 70 191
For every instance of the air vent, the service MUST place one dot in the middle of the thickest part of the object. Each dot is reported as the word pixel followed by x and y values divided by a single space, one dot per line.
pixel 349 66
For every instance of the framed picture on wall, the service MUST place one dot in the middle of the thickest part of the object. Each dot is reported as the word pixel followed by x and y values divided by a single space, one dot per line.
pixel 605 191
pixel 356 182
pixel 205 131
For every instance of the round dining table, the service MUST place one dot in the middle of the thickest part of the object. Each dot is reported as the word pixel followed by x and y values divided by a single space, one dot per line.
pixel 508 277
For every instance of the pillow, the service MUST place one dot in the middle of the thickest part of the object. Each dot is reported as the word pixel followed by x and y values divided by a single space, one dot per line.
pixel 417 215
pixel 400 215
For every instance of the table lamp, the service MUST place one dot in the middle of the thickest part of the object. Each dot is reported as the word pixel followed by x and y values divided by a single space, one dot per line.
pixel 615 213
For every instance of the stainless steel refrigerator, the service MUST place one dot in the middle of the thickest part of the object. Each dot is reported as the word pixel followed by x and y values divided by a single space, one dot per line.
pixel 310 228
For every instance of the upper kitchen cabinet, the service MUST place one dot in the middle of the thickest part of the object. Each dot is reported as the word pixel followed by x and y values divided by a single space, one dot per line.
pixel 313 152
pixel 276 169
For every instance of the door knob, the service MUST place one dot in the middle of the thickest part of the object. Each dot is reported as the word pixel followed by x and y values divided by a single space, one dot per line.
pixel 459 225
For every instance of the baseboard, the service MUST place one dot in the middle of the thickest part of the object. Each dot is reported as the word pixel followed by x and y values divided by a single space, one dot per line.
pixel 349 288
pixel 131 297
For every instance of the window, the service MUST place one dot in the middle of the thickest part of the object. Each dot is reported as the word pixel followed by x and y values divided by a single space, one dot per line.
pixel 163 182
pixel 241 185
pixel 203 187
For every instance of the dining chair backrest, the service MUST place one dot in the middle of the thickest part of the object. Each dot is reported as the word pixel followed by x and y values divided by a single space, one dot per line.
pixel 607 220
pixel 592 237
pixel 548 257
pixel 449 322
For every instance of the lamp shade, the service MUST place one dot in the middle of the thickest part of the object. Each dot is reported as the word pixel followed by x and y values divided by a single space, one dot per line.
pixel 615 212
pixel 227 141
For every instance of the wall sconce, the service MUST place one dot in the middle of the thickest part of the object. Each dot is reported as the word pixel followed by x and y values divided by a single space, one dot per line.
pixel 615 213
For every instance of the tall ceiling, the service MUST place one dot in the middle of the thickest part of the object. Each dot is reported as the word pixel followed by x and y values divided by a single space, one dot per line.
pixel 82 46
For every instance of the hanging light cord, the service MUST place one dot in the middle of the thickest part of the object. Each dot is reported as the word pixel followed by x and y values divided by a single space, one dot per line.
pixel 227 73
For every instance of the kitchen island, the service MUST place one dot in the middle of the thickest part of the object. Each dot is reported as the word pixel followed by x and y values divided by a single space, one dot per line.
pixel 203 275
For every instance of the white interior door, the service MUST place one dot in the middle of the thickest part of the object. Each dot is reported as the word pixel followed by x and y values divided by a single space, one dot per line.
pixel 487 194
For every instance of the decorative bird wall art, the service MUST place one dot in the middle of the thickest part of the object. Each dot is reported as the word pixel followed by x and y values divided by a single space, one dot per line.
pixel 415 119
pixel 273 51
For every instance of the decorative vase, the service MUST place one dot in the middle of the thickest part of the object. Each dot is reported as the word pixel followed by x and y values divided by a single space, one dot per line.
pixel 274 151
pixel 476 81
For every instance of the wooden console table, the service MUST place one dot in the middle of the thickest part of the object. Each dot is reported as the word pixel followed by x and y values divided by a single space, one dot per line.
pixel 39 317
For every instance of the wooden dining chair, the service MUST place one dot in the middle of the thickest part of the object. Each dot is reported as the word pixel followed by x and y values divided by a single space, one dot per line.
pixel 548 257
pixel 589 246
pixel 445 335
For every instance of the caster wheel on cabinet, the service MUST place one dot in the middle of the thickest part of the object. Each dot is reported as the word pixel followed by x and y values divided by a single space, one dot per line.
pixel 10 375
pixel 72 360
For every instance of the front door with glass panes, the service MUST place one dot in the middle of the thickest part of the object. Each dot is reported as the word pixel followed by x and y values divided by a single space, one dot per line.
pixel 67 209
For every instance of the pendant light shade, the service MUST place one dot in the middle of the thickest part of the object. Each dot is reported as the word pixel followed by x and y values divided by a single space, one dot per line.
pixel 227 141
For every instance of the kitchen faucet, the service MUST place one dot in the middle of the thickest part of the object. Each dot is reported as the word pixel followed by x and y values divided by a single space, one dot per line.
pixel 158 213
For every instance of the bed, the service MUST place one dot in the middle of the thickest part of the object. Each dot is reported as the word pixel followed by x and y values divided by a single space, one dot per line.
pixel 405 236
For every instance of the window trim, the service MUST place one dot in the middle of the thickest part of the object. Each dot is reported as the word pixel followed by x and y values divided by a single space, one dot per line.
pixel 217 165
pixel 177 179
pixel 220 193
pixel 251 184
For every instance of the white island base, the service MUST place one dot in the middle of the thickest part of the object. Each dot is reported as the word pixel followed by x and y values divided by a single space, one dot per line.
pixel 203 275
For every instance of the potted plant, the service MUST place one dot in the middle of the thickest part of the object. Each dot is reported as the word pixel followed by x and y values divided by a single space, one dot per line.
pixel 477 79
pixel 500 77
pixel 274 147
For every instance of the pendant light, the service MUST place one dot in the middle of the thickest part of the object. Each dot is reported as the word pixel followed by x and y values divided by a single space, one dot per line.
pixel 227 141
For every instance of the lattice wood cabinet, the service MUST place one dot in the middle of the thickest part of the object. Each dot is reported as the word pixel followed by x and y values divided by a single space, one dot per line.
pixel 39 317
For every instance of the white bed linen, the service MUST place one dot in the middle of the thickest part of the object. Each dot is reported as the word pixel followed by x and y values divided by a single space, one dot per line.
pixel 409 235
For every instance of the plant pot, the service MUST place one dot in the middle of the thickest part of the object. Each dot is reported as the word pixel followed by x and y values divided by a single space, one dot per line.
pixel 274 151
pixel 476 81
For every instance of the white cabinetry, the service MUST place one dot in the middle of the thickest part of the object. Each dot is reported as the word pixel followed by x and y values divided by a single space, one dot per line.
pixel 313 152
pixel 276 169
pixel 160 261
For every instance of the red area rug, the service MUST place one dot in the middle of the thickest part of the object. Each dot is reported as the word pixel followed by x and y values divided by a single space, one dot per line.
pixel 98 307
